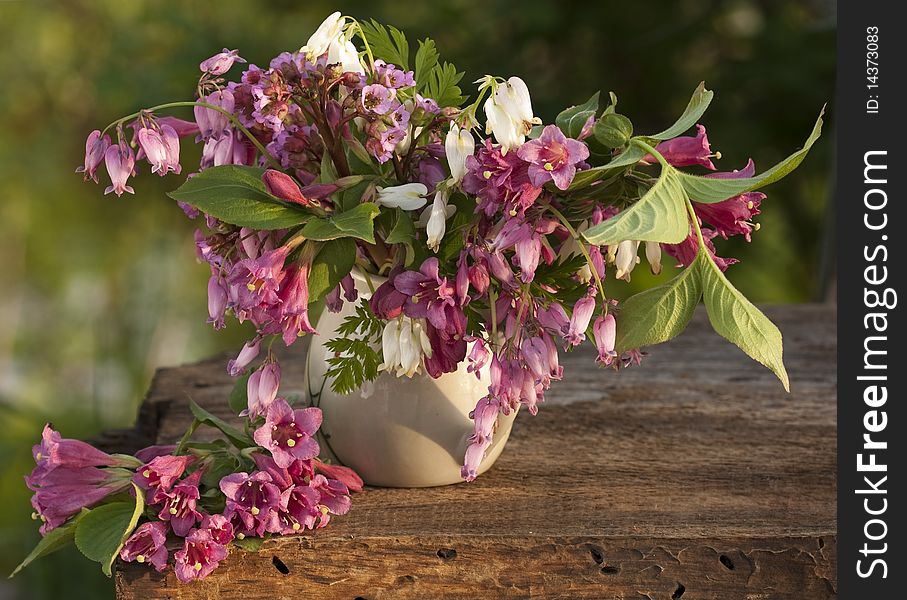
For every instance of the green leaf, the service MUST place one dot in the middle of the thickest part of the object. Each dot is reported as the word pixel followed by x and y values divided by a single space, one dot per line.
pixel 101 533
pixel 235 194
pixel 333 262
pixel 708 190
pixel 659 216
pixel 388 43
pixel 628 157
pixel 239 397
pixel 442 85
pixel 697 106
pixel 660 313
pixel 239 439
pixel 249 544
pixel 403 231
pixel 328 173
pixel 56 538
pixel 613 130
pixel 358 222
pixel 426 60
pixel 736 319
pixel 571 120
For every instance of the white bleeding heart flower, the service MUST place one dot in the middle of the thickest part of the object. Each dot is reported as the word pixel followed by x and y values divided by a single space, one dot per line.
pixel 409 196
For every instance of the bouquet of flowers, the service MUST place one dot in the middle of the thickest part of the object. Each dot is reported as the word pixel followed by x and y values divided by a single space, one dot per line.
pixel 498 236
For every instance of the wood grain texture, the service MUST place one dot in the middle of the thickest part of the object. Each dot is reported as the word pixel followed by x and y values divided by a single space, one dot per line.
pixel 692 476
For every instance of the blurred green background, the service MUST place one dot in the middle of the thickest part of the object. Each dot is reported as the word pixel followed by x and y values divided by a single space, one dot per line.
pixel 98 291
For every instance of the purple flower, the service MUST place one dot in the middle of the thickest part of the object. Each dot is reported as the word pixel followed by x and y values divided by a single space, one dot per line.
pixel 478 357
pixel 288 434
pixel 260 278
pixel 200 555
pixel 62 492
pixel 253 502
pixel 149 453
pixel 485 416
pixel 302 510
pixel 334 497
pixel 221 62
pixel 161 472
pixel 120 162
pixel 387 302
pixel 553 157
pixel 554 318
pixel 147 544
pixel 179 504
pixel 95 149
pixel 181 127
pixel 429 105
pixel 685 252
pixel 378 99
pixel 579 320
pixel 160 148
pixel 685 151
pixel 448 346
pixel 605 331
pixel 428 293
pixel 393 77
pixel 220 528
pixel 248 353
pixel 261 389
pixel 500 181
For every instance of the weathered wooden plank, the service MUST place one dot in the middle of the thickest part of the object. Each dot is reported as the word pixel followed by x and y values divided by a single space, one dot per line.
pixel 624 486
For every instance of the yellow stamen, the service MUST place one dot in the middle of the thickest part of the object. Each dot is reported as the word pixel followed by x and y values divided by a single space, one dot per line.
pixel 198 566
pixel 749 205
pixel 486 174
pixel 146 473
pixel 34 516
pixel 173 511
pixel 549 166
pixel 140 558
pixel 254 511
pixel 718 156
pixel 240 536
pixel 324 510
pixel 38 456
pixel 291 443
pixel 250 287
pixel 757 226
pixel 296 526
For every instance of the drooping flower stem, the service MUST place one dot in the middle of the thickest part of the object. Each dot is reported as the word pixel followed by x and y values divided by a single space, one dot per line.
pixel 582 247
pixel 181 446
pixel 233 120
pixel 365 44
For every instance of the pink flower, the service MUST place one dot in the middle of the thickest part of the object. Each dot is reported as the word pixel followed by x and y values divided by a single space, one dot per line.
pixel 344 475
pixel 220 528
pixel 56 451
pixel 64 491
pixel 579 320
pixel 161 472
pixel 253 502
pixel 288 434
pixel 147 544
pixel 95 149
pixel 221 62
pixel 605 331
pixel 387 302
pixel 734 215
pixel 485 416
pixel 212 123
pixel 553 157
pixel 179 504
pixel 200 555
pixel 248 353
pixel 283 186
pixel 478 357
pixel 217 301
pixel 334 496
pixel 294 303
pixel 685 151
pixel 261 389
pixel 181 127
pixel 120 161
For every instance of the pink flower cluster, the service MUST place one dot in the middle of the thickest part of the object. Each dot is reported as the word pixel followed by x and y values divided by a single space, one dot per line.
pixel 287 490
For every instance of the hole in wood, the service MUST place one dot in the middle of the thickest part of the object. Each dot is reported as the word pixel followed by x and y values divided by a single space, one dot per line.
pixel 597 555
pixel 447 554
pixel 404 580
pixel 678 592
pixel 280 566
pixel 821 543
pixel 610 569
pixel 727 562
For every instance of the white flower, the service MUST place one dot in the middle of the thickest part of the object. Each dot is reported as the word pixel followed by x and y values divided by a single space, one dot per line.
pixel 625 258
pixel 404 343
pixel 409 196
pixel 342 51
pixel 509 114
pixel 653 255
pixel 458 145
pixel 403 145
pixel 437 220
pixel 329 30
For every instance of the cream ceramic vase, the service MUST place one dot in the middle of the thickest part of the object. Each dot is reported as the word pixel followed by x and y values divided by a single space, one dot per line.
pixel 397 431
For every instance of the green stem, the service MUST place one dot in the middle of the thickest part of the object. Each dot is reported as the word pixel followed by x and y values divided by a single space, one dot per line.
pixel 181 447
pixel 582 247
pixel 492 304
pixel 368 49
pixel 233 120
